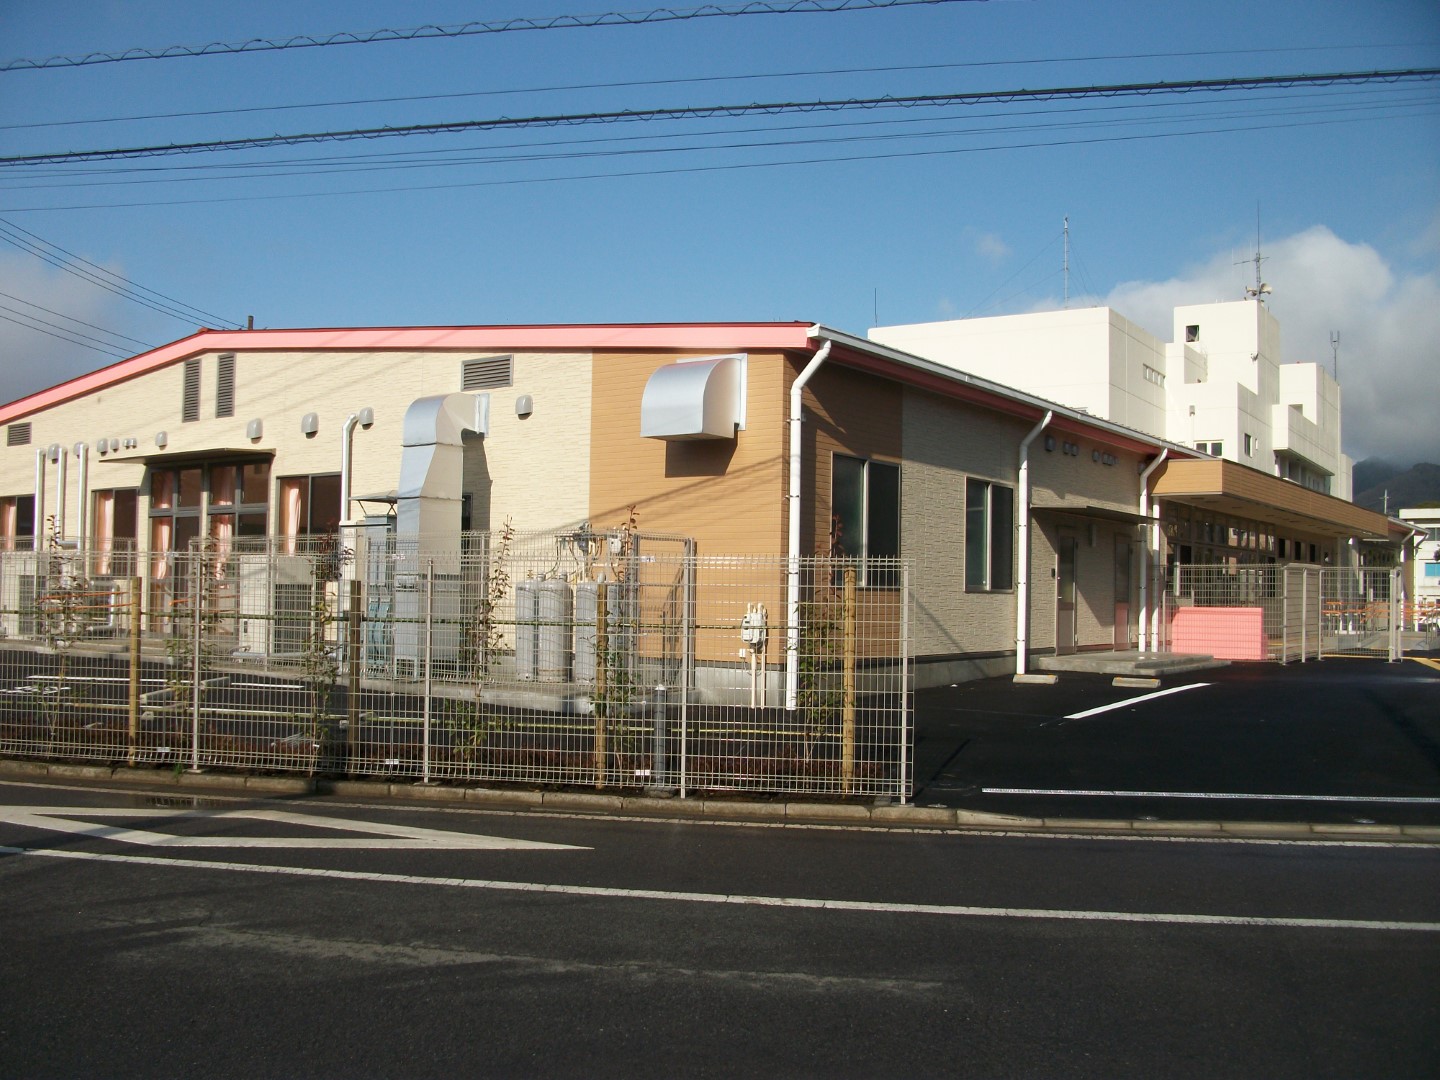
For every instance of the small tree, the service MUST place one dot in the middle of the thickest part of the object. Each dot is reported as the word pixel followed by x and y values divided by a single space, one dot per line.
pixel 474 721
pixel 64 614
pixel 319 655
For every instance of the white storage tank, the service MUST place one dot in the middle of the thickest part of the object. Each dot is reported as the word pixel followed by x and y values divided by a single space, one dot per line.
pixel 527 619
pixel 587 606
pixel 557 611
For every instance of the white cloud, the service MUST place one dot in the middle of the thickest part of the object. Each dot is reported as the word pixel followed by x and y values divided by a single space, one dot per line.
pixel 991 248
pixel 1388 322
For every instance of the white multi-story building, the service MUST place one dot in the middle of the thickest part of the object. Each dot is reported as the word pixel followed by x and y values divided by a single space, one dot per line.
pixel 1427 559
pixel 1219 386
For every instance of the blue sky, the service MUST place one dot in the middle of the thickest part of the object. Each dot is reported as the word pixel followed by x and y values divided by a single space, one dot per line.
pixel 910 215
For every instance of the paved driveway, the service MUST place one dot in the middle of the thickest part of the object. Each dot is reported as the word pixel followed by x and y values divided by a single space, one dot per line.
pixel 1340 740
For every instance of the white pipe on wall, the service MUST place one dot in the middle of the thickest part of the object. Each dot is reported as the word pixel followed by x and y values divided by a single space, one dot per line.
pixel 82 510
pixel 792 585
pixel 60 493
pixel 38 525
pixel 1022 585
pixel 347 450
pixel 1149 551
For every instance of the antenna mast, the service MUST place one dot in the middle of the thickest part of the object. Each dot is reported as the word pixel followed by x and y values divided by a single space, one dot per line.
pixel 1335 352
pixel 1067 262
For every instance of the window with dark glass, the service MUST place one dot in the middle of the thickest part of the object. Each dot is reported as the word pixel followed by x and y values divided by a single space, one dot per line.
pixel 865 502
pixel 310 505
pixel 989 536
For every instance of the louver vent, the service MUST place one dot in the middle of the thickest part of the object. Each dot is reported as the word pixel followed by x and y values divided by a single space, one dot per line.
pixel 488 373
pixel 18 434
pixel 190 403
pixel 225 385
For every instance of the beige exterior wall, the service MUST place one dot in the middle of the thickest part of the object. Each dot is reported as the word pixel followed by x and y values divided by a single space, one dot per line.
pixel 539 466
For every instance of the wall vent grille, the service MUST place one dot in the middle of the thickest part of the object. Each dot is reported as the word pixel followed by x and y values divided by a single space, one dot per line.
pixel 18 434
pixel 190 401
pixel 487 373
pixel 225 385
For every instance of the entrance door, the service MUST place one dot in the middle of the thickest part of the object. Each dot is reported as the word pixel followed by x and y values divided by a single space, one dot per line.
pixel 1122 593
pixel 1065 595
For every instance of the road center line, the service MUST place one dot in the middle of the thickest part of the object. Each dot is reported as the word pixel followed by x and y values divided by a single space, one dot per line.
pixel 804 903
pixel 1134 701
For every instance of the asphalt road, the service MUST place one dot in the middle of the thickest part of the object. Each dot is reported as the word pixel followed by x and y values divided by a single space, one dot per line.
pixel 167 936
pixel 1338 741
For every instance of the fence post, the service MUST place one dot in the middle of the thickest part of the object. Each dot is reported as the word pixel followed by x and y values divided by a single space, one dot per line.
pixel 602 666
pixel 425 723
pixel 353 636
pixel 847 708
pixel 136 586
pixel 904 683
pixel 687 618
pixel 197 577
pixel 1397 642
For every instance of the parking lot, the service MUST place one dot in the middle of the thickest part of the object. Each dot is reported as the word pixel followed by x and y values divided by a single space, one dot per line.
pixel 1339 740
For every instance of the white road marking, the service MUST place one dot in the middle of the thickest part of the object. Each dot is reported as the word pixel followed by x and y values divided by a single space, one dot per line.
pixel 1406 800
pixel 741 900
pixel 378 835
pixel 1134 701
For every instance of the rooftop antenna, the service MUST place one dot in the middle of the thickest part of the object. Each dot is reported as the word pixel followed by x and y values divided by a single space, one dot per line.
pixel 1066 265
pixel 1335 352
pixel 1259 290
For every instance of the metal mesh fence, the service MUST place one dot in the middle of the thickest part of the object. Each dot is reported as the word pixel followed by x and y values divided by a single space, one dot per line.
pixel 1285 613
pixel 616 660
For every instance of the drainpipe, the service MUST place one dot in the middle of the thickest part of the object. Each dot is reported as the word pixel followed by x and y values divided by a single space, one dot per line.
pixel 82 451
pixel 365 417
pixel 38 526
pixel 1022 586
pixel 1148 550
pixel 792 584
pixel 58 455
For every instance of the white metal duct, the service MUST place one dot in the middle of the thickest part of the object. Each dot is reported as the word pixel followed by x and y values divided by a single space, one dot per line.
pixel 432 462
pixel 695 399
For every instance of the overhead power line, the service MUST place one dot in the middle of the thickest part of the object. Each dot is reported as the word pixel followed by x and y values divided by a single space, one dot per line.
pixel 82 268
pixel 470 29
pixel 730 111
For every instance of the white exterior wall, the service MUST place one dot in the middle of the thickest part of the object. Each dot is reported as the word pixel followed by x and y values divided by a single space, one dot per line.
pixel 1226 384
pixel 1427 554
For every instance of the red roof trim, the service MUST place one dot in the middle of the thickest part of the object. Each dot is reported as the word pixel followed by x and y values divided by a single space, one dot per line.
pixel 703 336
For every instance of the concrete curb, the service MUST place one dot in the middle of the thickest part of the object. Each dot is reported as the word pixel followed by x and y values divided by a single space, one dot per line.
pixel 601 803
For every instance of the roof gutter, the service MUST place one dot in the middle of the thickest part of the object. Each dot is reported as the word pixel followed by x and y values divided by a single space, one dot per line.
pixel 792 572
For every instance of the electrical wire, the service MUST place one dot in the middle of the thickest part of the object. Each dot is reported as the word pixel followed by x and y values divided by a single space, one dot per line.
pixel 1188 86
pixel 629 84
pixel 683 170
pixel 613 147
pixel 70 318
pixel 84 269
pixel 471 29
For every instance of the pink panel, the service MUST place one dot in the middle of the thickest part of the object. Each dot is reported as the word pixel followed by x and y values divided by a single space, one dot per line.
pixel 1224 633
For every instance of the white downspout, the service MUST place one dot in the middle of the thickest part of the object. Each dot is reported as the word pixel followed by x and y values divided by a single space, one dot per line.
pixel 1022 585
pixel 1148 550
pixel 82 510
pixel 792 584
pixel 37 542
pixel 60 460
pixel 347 450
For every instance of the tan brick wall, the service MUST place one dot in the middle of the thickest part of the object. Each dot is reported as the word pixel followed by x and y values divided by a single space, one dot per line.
pixel 728 494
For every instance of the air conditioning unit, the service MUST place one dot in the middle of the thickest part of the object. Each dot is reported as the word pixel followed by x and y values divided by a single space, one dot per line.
pixel 273 604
